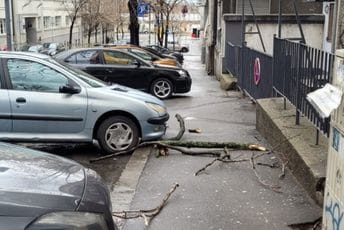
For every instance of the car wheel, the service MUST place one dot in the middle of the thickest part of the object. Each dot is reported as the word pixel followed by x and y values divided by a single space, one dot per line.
pixel 117 133
pixel 161 88
pixel 184 50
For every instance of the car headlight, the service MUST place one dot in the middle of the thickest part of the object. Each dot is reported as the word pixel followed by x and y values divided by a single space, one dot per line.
pixel 161 110
pixel 69 221
pixel 182 74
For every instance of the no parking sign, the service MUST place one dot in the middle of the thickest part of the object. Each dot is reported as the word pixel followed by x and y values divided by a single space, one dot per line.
pixel 256 71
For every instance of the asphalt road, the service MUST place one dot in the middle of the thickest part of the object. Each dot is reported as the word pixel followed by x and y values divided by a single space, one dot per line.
pixel 226 195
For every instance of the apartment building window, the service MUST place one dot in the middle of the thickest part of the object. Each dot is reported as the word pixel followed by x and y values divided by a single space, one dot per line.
pixel 58 21
pixel 2 26
pixel 46 21
pixel 52 21
pixel 67 20
pixel 39 21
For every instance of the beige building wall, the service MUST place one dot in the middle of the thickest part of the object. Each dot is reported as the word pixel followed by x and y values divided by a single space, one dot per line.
pixel 39 21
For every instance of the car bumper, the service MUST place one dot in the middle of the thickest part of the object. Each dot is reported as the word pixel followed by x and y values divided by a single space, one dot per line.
pixel 154 128
pixel 183 85
pixel 159 120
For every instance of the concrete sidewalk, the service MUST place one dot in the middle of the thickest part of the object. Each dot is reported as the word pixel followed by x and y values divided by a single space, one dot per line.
pixel 226 196
pixel 307 160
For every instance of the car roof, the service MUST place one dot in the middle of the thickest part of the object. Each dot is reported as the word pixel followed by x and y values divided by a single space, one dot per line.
pixel 71 51
pixel 26 54
pixel 66 53
pixel 121 46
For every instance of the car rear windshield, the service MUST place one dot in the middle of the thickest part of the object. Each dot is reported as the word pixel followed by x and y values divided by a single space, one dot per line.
pixel 85 77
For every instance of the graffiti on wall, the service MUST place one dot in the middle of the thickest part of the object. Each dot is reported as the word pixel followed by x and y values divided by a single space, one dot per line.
pixel 335 213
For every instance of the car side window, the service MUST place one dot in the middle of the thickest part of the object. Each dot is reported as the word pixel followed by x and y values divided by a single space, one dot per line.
pixel 33 76
pixel 117 58
pixel 84 57
pixel 142 54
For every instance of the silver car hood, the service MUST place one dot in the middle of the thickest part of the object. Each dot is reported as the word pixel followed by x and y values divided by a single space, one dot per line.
pixel 134 93
pixel 33 182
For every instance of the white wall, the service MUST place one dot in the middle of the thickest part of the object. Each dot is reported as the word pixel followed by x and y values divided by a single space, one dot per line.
pixel 38 9
pixel 313 35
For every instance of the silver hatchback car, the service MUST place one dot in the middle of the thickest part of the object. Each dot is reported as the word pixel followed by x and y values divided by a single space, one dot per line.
pixel 42 100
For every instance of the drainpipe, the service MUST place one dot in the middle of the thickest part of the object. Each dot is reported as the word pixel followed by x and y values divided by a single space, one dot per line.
pixel 213 12
pixel 335 24
pixel 215 23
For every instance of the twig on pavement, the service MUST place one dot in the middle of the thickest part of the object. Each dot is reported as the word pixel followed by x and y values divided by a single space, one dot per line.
pixel 146 214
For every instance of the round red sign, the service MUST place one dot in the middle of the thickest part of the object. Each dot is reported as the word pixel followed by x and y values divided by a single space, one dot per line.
pixel 256 71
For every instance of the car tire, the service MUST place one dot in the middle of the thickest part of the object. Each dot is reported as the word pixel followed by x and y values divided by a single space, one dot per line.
pixel 184 50
pixel 117 133
pixel 162 88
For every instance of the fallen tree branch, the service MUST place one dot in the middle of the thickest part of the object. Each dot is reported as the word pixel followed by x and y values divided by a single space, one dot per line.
pixel 176 145
pixel 181 126
pixel 226 159
pixel 274 188
pixel 146 214
pixel 210 144
pixel 284 164
pixel 205 167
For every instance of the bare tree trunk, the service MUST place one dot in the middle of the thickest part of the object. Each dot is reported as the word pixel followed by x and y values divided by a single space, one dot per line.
pixel 134 25
pixel 96 33
pixel 167 27
pixel 89 33
pixel 71 31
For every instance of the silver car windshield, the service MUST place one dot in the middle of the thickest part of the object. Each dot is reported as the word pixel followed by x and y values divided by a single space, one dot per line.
pixel 85 77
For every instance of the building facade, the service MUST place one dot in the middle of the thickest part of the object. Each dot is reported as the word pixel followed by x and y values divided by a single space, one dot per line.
pixel 38 21
pixel 224 24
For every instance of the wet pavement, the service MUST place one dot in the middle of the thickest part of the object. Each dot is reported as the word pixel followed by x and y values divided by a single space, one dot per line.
pixel 226 195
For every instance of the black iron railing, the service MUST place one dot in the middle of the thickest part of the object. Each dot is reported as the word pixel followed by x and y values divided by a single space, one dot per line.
pixel 232 54
pixel 299 70
pixel 292 72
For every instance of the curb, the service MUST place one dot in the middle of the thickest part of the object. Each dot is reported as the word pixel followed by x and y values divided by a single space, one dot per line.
pixel 124 189
pixel 228 82
pixel 306 160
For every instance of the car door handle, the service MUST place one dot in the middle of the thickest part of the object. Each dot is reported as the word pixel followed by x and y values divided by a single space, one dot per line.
pixel 21 100
pixel 109 70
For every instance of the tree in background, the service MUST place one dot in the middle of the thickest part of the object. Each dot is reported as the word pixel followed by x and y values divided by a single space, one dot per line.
pixel 163 10
pixel 134 24
pixel 73 7
pixel 91 16
pixel 167 10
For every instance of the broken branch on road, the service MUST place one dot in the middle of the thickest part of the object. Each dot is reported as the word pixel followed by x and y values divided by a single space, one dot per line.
pixel 146 214
pixel 219 150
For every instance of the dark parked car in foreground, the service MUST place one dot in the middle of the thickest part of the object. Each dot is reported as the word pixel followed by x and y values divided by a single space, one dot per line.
pixel 44 191
pixel 122 67
pixel 42 100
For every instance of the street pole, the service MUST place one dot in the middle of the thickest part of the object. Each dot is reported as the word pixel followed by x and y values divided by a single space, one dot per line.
pixel 8 16
pixel 279 19
pixel 149 25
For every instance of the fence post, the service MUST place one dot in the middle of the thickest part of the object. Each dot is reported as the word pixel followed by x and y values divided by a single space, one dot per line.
pixel 298 82
pixel 243 50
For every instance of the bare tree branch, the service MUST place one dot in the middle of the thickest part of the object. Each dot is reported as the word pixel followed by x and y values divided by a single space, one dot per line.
pixel 146 214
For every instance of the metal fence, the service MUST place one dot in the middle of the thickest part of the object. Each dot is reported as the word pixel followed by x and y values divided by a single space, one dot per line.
pixel 299 70
pixel 232 54
pixel 292 72
pixel 257 73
